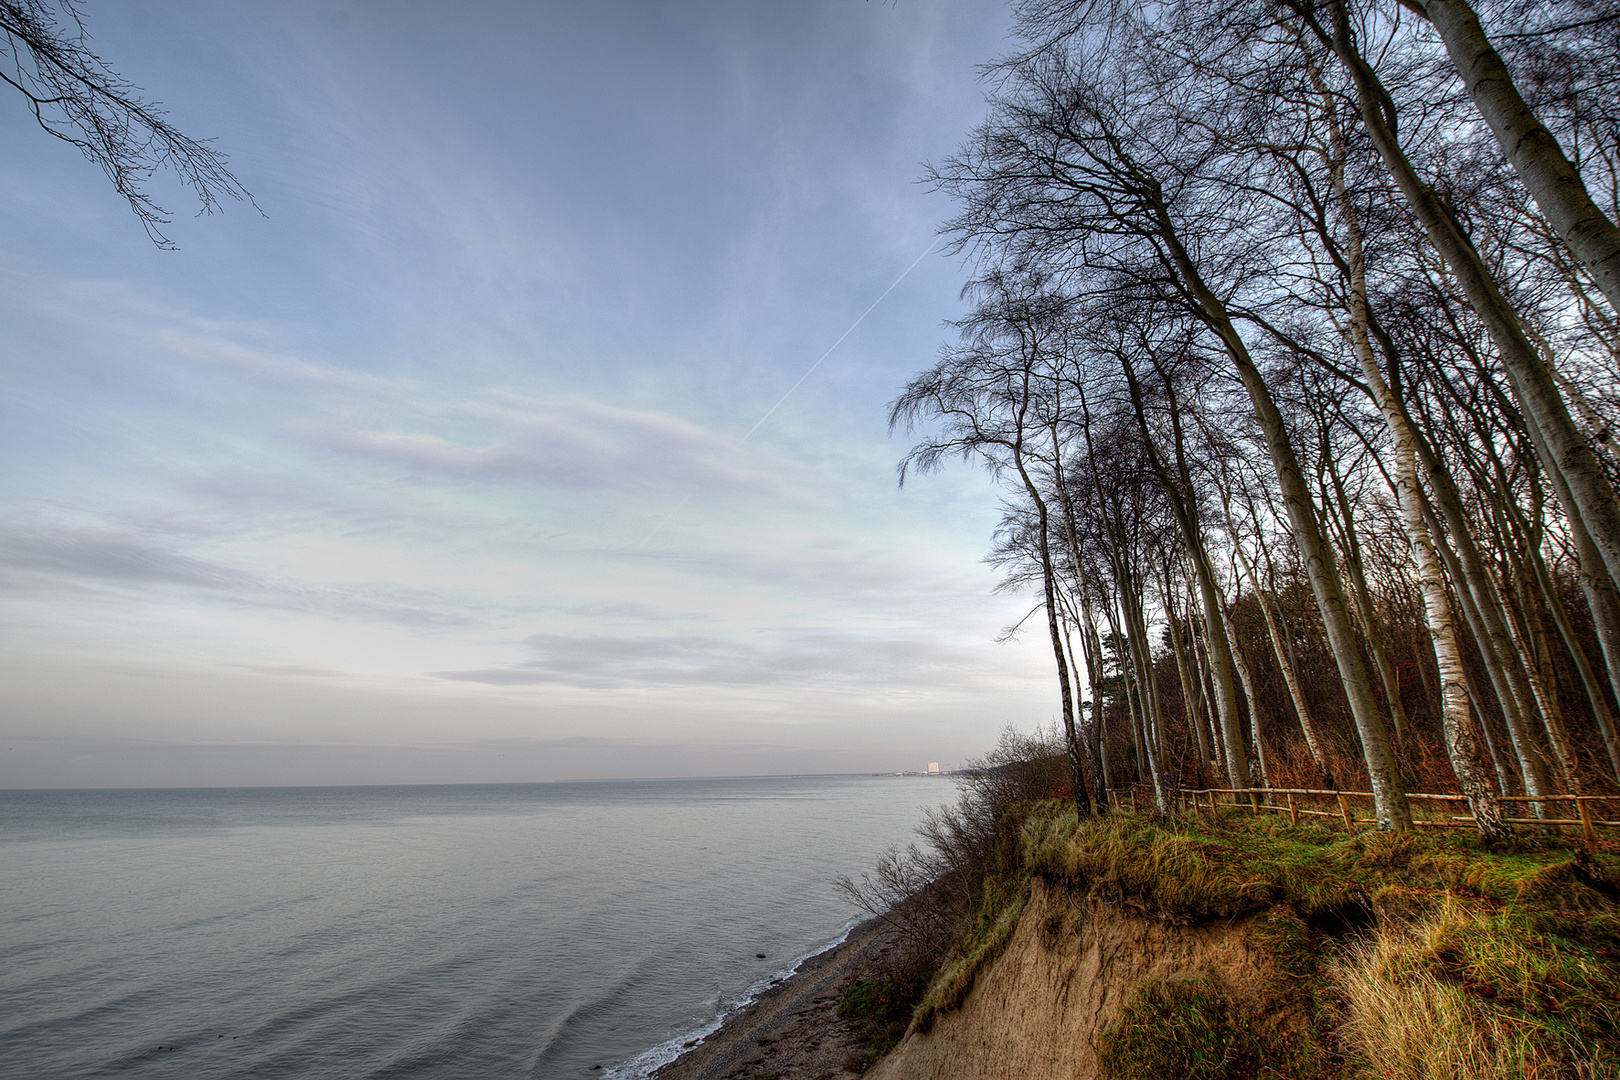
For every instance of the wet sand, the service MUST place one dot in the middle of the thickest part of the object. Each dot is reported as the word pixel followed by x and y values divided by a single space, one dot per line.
pixel 792 1030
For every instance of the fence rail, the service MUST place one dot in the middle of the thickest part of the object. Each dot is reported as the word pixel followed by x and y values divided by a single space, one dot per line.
pixel 1264 800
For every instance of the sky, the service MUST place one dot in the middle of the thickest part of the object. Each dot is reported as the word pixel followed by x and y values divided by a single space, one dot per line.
pixel 478 451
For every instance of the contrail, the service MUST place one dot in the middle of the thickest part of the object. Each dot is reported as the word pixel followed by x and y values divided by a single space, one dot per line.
pixel 839 342
pixel 808 372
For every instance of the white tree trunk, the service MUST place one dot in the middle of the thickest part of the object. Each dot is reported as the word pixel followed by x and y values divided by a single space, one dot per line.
pixel 1532 150
pixel 1389 797
pixel 1593 498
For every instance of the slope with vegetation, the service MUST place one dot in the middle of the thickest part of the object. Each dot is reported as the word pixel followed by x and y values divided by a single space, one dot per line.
pixel 1231 945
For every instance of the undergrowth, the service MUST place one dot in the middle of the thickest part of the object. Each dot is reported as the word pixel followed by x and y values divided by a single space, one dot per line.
pixel 1417 955
pixel 883 1005
pixel 1195 1029
pixel 1410 955
pixel 992 927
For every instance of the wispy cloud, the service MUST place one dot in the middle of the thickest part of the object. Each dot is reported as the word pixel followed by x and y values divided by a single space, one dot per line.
pixel 44 557
pixel 126 313
pixel 579 444
pixel 105 555
pixel 822 658
pixel 214 345
pixel 296 671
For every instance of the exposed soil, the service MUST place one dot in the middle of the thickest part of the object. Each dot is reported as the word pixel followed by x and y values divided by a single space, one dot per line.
pixel 1036 1010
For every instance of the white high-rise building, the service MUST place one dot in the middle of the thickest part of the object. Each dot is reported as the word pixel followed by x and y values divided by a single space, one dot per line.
pixel 933 767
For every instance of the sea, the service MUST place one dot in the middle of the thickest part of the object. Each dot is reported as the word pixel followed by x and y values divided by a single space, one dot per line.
pixel 566 930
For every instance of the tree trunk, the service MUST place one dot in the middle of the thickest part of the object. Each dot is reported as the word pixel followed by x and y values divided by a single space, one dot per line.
pixel 1583 667
pixel 1097 740
pixel 1082 801
pixel 1532 764
pixel 1389 798
pixel 1246 676
pixel 1148 689
pixel 1285 662
pixel 1216 635
pixel 1371 626
pixel 1532 150
pixel 1456 720
pixel 1593 498
pixel 1192 700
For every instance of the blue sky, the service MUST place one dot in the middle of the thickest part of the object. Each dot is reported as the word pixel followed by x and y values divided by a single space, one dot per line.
pixel 439 468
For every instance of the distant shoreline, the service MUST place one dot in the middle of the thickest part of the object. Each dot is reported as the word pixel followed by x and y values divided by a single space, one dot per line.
pixel 489 783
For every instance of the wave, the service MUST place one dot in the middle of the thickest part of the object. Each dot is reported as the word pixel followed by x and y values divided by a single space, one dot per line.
pixel 649 1061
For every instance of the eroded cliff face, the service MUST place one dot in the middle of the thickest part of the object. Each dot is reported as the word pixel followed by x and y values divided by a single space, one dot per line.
pixel 1037 1009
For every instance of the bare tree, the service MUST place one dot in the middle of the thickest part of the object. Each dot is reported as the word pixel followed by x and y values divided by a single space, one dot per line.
pixel 76 97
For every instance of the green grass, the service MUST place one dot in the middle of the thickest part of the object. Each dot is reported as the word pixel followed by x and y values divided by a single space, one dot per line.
pixel 1510 960
pixel 1193 870
pixel 1193 1029
pixel 1475 989
pixel 992 927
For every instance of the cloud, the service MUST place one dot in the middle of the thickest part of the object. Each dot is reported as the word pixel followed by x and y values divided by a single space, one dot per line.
pixel 286 670
pixel 125 312
pixel 896 578
pixel 106 555
pixel 584 445
pixel 43 556
pixel 818 658
pixel 205 343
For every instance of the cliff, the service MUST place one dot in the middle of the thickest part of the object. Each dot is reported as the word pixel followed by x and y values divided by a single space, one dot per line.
pixel 1237 948
pixel 1039 1008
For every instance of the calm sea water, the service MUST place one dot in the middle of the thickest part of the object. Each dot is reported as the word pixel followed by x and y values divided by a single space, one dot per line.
pixel 489 931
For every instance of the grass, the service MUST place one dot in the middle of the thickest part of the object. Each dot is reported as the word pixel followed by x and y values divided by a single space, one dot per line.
pixel 1407 955
pixel 1177 1028
pixel 1194 1029
pixel 1193 870
pixel 1476 989
pixel 1417 955
pixel 992 927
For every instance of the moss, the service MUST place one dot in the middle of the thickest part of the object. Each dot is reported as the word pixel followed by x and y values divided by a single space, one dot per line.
pixel 992 927
pixel 1193 1029
pixel 1196 869
pixel 1520 949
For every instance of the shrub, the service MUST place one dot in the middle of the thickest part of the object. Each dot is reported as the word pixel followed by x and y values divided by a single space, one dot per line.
pixel 1188 1029
pixel 955 898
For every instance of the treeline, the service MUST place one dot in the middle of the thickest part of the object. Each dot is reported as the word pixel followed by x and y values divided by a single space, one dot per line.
pixel 1294 340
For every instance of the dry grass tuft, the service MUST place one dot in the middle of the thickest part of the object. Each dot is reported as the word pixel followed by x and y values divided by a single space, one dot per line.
pixel 992 928
pixel 1470 994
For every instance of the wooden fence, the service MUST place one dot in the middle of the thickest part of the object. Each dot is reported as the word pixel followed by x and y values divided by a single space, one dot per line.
pixel 1288 800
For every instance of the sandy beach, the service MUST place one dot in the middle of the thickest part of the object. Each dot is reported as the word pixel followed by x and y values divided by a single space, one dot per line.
pixel 792 1030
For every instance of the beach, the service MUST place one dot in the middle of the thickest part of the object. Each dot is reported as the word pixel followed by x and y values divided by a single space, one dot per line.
pixel 792 1029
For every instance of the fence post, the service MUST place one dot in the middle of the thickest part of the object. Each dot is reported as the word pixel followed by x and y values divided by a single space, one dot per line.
pixel 1587 827
pixel 1293 811
pixel 1349 819
pixel 1254 800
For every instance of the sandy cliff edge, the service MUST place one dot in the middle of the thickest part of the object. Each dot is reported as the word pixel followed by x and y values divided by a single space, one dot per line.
pixel 1036 1010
